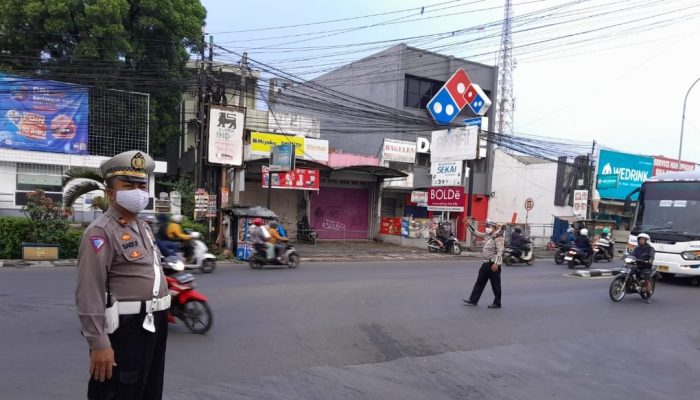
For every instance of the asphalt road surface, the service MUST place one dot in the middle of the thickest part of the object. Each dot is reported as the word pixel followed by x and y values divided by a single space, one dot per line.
pixel 380 330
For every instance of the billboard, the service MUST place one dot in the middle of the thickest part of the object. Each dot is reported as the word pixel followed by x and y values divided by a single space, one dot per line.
pixel 399 151
pixel 457 144
pixel 632 170
pixel 446 199
pixel 447 173
pixel 41 115
pixel 300 179
pixel 226 135
pixel 663 165
pixel 282 158
pixel 261 143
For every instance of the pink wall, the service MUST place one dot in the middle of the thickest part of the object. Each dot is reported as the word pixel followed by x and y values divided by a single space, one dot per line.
pixel 340 213
pixel 340 160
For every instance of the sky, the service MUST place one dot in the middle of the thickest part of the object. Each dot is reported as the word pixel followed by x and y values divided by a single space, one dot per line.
pixel 613 71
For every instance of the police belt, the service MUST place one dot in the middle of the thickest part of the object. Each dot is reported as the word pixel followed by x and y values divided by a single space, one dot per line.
pixel 135 307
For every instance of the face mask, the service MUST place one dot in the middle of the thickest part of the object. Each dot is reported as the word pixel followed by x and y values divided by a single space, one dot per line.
pixel 489 230
pixel 134 200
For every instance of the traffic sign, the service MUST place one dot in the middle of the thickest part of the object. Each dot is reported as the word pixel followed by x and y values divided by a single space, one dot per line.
pixel 473 122
pixel 529 204
pixel 455 94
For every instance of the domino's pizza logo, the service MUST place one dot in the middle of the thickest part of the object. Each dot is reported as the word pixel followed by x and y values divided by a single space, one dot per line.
pixel 457 93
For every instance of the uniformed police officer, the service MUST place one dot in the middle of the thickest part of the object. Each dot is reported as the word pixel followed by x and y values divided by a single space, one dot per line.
pixel 122 295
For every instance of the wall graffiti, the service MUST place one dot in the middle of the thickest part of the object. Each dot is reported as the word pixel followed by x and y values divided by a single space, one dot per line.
pixel 340 213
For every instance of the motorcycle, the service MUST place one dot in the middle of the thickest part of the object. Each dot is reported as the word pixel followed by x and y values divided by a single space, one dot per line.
pixel 288 257
pixel 188 305
pixel 448 245
pixel 560 253
pixel 201 257
pixel 630 280
pixel 602 250
pixel 576 257
pixel 304 232
pixel 511 256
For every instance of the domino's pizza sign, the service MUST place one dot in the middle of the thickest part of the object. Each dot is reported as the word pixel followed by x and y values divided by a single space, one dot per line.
pixel 457 93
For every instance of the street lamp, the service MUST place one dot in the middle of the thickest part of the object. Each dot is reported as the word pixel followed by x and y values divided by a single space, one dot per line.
pixel 680 146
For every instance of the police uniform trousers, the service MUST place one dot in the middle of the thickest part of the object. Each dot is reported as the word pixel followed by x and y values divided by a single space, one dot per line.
pixel 485 275
pixel 140 358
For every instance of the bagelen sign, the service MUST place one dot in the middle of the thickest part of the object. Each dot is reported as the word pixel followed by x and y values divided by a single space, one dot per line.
pixel 446 199
pixel 399 151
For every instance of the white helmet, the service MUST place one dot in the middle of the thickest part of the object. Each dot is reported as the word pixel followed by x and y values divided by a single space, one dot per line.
pixel 643 236
pixel 176 218
pixel 584 232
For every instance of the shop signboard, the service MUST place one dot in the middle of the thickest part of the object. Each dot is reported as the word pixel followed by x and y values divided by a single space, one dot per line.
pixel 399 151
pixel 447 173
pixel 632 170
pixel 458 92
pixel 390 226
pixel 419 197
pixel 226 135
pixel 663 165
pixel 446 198
pixel 261 144
pixel 42 115
pixel 282 158
pixel 211 206
pixel 299 179
pixel 457 144
pixel 201 202
pixel 315 150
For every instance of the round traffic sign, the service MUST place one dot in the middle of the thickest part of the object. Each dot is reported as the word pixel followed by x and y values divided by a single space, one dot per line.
pixel 529 204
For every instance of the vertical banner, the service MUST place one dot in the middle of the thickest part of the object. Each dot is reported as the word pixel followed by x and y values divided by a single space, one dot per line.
pixel 580 203
pixel 226 135
pixel 41 115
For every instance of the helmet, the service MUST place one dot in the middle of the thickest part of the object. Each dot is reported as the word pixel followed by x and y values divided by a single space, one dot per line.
pixel 162 218
pixel 176 218
pixel 570 230
pixel 257 221
pixel 490 223
pixel 643 236
pixel 584 232
pixel 606 230
pixel 518 230
pixel 274 224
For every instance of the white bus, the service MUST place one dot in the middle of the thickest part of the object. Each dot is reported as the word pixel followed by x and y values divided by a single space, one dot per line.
pixel 668 210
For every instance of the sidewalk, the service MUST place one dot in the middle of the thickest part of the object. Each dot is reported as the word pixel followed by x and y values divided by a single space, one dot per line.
pixel 367 250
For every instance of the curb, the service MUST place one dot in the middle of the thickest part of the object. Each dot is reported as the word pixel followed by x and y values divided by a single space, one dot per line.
pixel 593 273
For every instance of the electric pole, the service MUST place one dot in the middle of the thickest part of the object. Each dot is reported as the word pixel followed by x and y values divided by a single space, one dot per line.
pixel 506 64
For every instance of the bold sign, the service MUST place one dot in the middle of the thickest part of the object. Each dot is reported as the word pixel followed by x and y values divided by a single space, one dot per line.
pixel 446 199
pixel 43 115
pixel 455 94
pixel 454 144
pixel 282 158
pixel 580 203
pixel 419 197
pixel 447 173
pixel 399 151
pixel 663 165
pixel 631 170
pixel 300 179
pixel 226 135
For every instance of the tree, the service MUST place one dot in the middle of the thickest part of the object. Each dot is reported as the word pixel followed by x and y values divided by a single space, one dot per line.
pixel 48 219
pixel 140 45
pixel 81 181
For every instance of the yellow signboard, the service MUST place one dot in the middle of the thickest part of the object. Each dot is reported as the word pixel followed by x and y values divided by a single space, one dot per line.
pixel 262 143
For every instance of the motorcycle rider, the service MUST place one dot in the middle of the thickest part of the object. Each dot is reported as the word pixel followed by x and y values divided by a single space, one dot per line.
pixel 276 239
pixel 583 243
pixel 175 233
pixel 644 254
pixel 166 246
pixel 518 242
pixel 606 242
pixel 260 236
pixel 567 238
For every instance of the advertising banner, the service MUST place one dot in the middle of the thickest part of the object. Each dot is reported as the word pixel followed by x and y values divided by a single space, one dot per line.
pixel 300 179
pixel 282 158
pixel 315 150
pixel 663 165
pixel 419 197
pixel 399 151
pixel 41 115
pixel 630 169
pixel 201 203
pixel 580 203
pixel 447 173
pixel 446 199
pixel 261 143
pixel 457 144
pixel 390 226
pixel 226 135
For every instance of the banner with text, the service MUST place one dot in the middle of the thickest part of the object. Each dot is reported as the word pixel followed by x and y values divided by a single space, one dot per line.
pixel 261 144
pixel 457 144
pixel 399 151
pixel 446 199
pixel 663 165
pixel 226 135
pixel 447 173
pixel 299 179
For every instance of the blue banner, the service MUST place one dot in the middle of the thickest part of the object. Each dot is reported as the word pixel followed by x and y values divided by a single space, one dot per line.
pixel 631 171
pixel 41 115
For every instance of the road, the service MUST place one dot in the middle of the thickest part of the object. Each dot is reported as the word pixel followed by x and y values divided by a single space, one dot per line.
pixel 379 330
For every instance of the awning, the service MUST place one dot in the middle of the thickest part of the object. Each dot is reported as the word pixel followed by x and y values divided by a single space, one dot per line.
pixel 299 163
pixel 376 170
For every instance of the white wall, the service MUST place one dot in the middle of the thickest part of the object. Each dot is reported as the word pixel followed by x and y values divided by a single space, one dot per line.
pixel 515 181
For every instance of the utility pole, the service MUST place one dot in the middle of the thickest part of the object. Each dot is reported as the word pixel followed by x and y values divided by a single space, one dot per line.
pixel 591 182
pixel 238 173
pixel 199 145
pixel 506 64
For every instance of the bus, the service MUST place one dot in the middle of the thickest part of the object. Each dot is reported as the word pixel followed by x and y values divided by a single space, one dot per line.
pixel 668 210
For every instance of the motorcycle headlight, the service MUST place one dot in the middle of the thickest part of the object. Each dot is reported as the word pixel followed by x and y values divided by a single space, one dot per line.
pixel 691 255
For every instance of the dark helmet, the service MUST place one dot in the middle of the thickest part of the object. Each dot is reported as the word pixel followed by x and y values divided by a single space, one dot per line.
pixel 518 230
pixel 257 221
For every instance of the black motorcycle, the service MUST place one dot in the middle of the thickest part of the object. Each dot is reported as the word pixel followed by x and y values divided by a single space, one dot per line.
pixel 447 245
pixel 631 280
pixel 288 257
pixel 560 253
pixel 304 232
pixel 575 256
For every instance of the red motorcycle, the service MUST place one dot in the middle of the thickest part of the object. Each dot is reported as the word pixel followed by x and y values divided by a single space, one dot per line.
pixel 187 304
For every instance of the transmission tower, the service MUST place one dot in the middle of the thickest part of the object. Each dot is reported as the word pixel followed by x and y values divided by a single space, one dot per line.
pixel 506 101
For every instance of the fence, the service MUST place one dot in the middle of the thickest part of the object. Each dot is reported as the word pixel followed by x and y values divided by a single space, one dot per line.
pixel 539 234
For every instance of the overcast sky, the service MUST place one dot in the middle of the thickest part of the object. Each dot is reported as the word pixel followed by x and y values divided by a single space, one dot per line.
pixel 614 71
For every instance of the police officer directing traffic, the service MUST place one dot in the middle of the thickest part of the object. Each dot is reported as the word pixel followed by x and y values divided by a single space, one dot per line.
pixel 121 294
pixel 491 268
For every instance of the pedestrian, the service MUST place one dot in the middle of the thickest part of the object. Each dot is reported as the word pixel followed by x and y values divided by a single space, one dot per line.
pixel 121 294
pixel 491 268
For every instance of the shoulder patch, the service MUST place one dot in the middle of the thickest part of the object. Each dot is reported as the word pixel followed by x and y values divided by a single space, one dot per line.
pixel 97 243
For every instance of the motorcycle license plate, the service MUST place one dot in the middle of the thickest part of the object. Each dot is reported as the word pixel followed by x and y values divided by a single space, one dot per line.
pixel 568 258
pixel 663 268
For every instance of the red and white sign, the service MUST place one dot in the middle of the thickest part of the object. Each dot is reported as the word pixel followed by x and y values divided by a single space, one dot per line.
pixel 663 165
pixel 449 198
pixel 300 179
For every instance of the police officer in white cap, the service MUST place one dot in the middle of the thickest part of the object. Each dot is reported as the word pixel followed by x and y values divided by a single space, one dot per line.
pixel 121 294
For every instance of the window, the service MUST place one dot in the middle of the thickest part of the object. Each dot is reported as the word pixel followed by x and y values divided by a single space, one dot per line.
pixel 419 91
pixel 31 177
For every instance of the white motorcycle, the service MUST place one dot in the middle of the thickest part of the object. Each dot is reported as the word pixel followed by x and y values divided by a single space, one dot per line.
pixel 201 257
pixel 602 250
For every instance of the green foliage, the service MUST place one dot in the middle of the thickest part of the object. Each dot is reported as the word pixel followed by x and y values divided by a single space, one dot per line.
pixel 196 226
pixel 139 45
pixel 47 219
pixel 185 185
pixel 90 180
pixel 70 242
pixel 13 231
